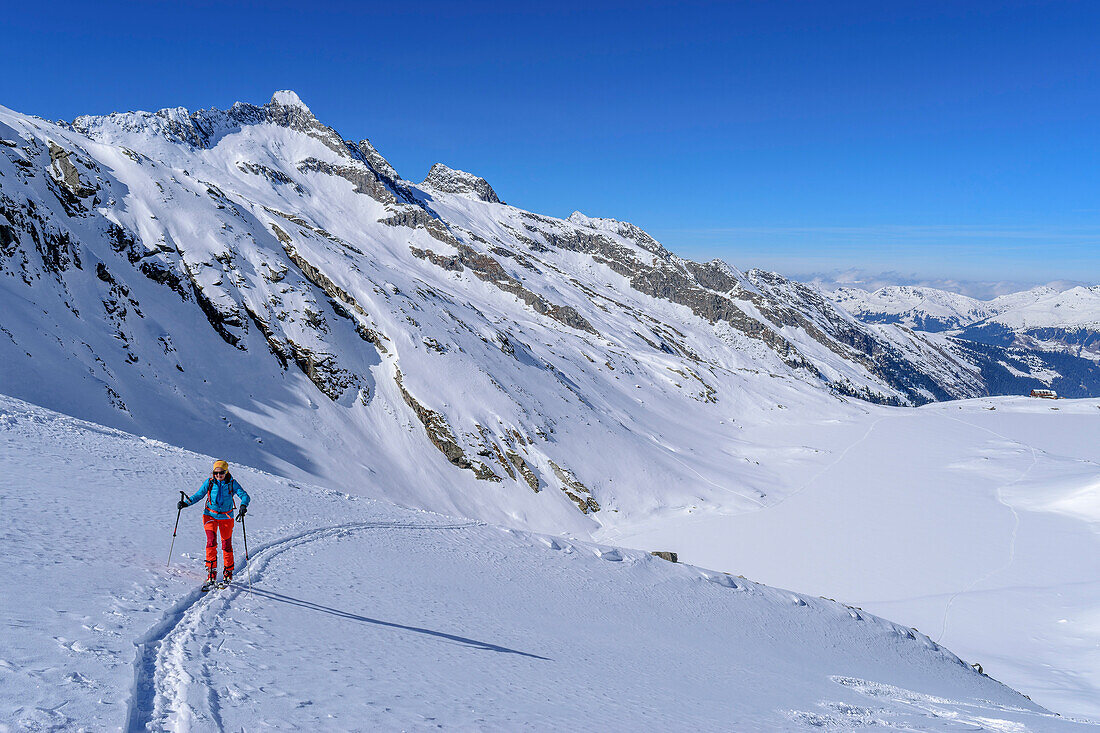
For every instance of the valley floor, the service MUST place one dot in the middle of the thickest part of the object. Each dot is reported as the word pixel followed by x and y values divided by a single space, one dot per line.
pixel 362 615
pixel 977 522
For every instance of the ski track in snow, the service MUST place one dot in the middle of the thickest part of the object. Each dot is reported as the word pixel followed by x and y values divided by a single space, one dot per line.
pixel 672 454
pixel 615 534
pixel 825 469
pixel 159 697
pixel 1015 523
pixel 757 659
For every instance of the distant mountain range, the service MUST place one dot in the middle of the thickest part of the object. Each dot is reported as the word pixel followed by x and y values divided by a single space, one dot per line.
pixel 1041 319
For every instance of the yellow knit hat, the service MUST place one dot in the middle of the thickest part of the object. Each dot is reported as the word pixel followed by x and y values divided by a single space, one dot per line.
pixel 222 465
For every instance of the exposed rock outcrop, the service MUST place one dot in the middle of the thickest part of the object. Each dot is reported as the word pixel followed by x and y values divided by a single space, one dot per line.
pixel 363 177
pixel 525 471
pixel 441 436
pixel 577 492
pixel 491 271
pixel 414 217
pixel 380 165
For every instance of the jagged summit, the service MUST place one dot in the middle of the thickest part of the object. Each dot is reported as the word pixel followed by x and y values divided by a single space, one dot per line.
pixel 205 127
pixel 448 180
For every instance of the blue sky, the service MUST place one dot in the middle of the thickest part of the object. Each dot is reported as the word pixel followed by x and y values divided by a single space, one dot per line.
pixel 939 140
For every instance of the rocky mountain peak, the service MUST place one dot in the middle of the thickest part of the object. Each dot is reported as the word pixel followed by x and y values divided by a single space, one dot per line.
pixel 205 127
pixel 449 180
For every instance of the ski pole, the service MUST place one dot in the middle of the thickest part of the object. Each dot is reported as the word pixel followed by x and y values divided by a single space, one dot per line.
pixel 247 566
pixel 183 496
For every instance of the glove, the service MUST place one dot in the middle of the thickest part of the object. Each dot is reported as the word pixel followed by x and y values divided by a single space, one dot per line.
pixel 181 504
pixel 241 513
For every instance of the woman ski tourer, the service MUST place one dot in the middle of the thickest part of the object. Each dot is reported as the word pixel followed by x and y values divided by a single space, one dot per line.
pixel 217 517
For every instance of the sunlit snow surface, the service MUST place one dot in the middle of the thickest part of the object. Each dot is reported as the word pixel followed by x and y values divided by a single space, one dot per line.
pixel 976 522
pixel 364 616
pixel 943 518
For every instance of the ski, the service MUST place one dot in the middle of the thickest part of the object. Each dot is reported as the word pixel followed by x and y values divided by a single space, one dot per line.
pixel 215 585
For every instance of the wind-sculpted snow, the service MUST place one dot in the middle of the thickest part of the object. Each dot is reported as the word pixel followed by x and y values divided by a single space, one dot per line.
pixel 356 614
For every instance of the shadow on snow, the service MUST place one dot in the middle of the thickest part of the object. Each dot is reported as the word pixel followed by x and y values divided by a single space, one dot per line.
pixel 378 622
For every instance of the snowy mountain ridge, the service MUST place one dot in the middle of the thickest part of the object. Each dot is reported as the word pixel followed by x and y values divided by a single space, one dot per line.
pixel 931 309
pixel 1076 307
pixel 251 270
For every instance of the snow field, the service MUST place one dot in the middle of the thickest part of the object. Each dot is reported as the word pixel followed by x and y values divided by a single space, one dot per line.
pixel 364 615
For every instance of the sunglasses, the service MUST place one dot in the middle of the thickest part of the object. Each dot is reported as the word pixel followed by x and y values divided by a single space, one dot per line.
pixel 219 473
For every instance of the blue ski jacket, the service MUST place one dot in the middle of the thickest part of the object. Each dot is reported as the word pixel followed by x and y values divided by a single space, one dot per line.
pixel 219 497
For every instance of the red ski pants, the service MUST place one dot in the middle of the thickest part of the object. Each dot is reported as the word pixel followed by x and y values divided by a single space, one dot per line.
pixel 213 527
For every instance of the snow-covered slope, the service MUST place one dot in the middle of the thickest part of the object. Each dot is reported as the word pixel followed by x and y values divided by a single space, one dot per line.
pixel 1074 308
pixel 245 283
pixel 362 615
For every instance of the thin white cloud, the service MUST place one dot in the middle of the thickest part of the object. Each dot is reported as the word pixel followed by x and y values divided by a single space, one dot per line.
pixel 932 253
